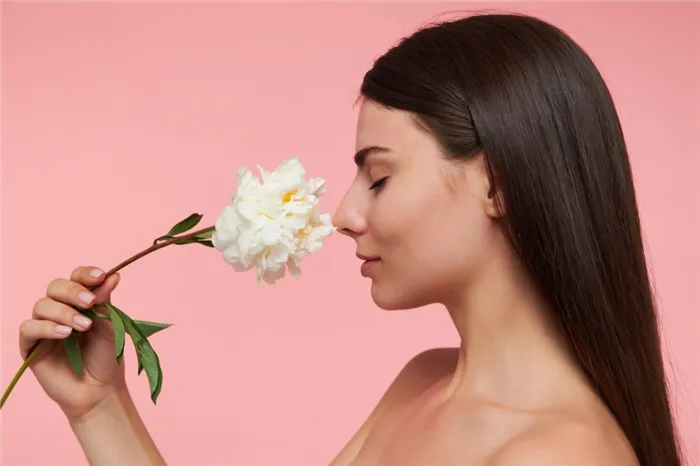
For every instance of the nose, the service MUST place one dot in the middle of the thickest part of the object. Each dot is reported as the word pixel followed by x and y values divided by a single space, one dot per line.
pixel 349 217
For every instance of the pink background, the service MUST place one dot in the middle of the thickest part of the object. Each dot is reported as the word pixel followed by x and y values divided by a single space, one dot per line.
pixel 119 120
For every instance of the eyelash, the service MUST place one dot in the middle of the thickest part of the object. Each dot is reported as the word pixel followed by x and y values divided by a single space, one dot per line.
pixel 379 183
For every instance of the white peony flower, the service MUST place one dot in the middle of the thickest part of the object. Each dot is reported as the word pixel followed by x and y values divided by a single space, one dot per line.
pixel 272 225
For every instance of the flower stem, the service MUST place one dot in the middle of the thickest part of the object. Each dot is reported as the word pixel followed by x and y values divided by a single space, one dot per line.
pixel 154 247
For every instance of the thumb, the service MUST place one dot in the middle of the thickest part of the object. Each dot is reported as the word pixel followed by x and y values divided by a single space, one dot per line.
pixel 104 291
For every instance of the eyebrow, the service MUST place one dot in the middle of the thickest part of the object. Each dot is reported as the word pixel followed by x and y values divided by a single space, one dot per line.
pixel 362 154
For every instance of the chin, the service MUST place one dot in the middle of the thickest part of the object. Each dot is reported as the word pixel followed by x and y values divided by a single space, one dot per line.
pixel 395 298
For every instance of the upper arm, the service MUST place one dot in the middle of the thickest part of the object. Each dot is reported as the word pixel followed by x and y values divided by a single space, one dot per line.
pixel 417 375
pixel 570 444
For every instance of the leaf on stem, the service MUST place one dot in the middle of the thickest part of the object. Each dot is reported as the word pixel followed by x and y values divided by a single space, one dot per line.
pixel 149 328
pixel 148 360
pixel 72 347
pixel 92 314
pixel 196 239
pixel 205 235
pixel 185 224
pixel 118 328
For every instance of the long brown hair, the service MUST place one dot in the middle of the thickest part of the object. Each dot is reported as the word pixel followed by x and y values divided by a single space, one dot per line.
pixel 524 94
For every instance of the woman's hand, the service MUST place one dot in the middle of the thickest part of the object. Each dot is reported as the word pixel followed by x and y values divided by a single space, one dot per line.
pixel 98 405
pixel 53 319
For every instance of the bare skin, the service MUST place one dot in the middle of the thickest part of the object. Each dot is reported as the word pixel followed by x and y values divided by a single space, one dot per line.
pixel 416 423
pixel 98 406
pixel 512 394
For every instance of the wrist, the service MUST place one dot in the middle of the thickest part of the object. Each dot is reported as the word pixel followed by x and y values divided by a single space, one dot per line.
pixel 113 434
pixel 115 403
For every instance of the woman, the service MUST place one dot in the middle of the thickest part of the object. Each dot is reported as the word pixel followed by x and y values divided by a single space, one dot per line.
pixel 493 179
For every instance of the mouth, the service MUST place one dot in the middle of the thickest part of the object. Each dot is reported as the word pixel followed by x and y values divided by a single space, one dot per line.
pixel 369 265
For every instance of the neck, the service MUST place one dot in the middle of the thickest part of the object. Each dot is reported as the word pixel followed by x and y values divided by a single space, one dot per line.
pixel 511 352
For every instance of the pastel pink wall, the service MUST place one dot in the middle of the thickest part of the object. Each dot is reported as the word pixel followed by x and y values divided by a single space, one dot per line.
pixel 119 120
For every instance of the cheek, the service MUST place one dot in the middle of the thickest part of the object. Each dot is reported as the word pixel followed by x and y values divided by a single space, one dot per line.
pixel 429 236
pixel 424 223
pixel 430 246
pixel 400 218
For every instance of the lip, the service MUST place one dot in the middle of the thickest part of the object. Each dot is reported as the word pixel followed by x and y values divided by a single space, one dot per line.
pixel 369 264
pixel 367 258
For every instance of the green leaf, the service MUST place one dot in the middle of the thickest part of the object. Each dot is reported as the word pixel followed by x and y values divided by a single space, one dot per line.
pixel 151 364
pixel 91 313
pixel 185 224
pixel 139 330
pixel 159 385
pixel 118 328
pixel 187 241
pixel 149 328
pixel 72 348
pixel 195 239
pixel 146 355
pixel 205 235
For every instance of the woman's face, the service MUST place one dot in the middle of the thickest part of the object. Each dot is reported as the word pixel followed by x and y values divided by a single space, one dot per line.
pixel 425 221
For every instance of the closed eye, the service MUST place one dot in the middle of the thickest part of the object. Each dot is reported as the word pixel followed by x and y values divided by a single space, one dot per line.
pixel 379 183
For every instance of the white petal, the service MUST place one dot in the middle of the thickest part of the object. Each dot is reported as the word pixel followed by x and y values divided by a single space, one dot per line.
pixel 294 269
pixel 245 241
pixel 271 276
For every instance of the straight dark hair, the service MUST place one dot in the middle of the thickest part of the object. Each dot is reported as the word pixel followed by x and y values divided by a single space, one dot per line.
pixel 524 94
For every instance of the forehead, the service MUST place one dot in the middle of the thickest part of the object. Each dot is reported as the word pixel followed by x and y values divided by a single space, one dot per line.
pixel 391 128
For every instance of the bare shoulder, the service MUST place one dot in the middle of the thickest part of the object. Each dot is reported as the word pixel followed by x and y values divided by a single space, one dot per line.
pixel 429 365
pixel 416 376
pixel 565 441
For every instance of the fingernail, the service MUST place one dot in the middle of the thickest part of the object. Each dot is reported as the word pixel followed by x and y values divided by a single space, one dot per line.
pixel 95 273
pixel 82 321
pixel 63 330
pixel 86 297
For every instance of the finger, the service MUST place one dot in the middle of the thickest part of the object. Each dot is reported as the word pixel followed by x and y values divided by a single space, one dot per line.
pixel 103 292
pixel 32 330
pixel 88 276
pixel 59 313
pixel 70 292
